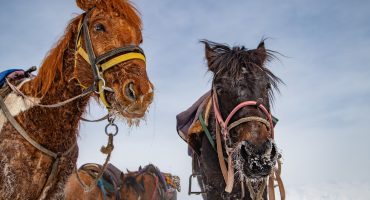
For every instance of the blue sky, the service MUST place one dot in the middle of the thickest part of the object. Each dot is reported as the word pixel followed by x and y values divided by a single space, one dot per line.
pixel 323 107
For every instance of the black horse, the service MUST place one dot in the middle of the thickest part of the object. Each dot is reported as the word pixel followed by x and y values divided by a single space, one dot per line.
pixel 231 130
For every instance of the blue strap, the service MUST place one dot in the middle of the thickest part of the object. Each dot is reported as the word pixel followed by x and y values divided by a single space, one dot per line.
pixel 102 188
pixel 5 73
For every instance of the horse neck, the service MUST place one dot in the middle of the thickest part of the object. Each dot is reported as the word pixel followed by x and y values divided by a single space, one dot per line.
pixel 57 128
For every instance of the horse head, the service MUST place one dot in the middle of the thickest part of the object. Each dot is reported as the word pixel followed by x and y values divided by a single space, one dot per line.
pixel 242 95
pixel 108 56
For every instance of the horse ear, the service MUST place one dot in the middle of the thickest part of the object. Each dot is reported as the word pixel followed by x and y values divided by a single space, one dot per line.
pixel 122 176
pixel 86 5
pixel 210 54
pixel 261 54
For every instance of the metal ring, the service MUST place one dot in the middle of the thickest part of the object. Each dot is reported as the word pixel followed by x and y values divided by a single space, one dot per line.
pixel 115 127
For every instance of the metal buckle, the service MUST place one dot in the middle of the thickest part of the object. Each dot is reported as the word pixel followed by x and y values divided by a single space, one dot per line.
pixel 190 192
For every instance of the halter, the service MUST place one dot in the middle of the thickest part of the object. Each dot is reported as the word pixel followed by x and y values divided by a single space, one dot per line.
pixel 228 173
pixel 225 127
pixel 100 64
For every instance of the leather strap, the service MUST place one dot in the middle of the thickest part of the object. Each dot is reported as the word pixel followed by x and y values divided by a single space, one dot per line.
pixel 56 156
pixel 23 133
pixel 230 175
pixel 220 154
pixel 271 189
pixel 276 176
pixel 280 181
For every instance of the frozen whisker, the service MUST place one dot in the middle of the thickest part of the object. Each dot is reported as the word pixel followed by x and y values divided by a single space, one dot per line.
pixel 268 150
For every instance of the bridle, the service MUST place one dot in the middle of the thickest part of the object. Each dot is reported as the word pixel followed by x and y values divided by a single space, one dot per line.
pixel 100 64
pixel 225 126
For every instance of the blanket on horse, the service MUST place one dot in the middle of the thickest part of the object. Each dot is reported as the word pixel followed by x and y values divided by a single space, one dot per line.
pixel 111 180
pixel 16 75
pixel 188 125
pixel 10 73
pixel 167 180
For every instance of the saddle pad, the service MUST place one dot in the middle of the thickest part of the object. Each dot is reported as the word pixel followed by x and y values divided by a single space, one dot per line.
pixel 172 181
pixel 187 119
pixel 110 180
pixel 188 125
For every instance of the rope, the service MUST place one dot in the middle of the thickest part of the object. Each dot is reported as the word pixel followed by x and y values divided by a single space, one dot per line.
pixel 106 150
pixel 16 90
pixel 249 119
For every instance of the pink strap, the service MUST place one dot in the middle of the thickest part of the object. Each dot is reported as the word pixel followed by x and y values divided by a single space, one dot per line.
pixel 224 124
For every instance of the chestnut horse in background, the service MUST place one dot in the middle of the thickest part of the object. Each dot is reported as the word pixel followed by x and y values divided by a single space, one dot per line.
pixel 98 56
pixel 147 183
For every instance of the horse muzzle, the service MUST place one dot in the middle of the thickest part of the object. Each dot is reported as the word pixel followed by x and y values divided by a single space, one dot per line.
pixel 258 160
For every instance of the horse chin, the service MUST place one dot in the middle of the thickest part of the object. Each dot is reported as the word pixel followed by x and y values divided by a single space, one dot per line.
pixel 131 112
pixel 252 165
pixel 132 118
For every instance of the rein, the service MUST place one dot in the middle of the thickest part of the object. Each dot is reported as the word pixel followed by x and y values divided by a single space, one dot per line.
pixel 105 150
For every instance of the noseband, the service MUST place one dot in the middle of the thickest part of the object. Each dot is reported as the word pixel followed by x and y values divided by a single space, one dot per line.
pixel 100 64
pixel 225 127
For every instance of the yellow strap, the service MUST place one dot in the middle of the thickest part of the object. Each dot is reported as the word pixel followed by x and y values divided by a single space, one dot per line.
pixel 122 58
pixel 83 54
pixel 102 95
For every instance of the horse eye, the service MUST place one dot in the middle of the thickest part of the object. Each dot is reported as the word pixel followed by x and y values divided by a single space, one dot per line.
pixel 99 27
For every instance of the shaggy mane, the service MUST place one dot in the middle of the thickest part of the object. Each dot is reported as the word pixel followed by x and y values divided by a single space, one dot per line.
pixel 52 65
pixel 229 61
pixel 51 68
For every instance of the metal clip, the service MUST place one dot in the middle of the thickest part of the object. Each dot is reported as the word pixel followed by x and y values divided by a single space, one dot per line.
pixel 111 124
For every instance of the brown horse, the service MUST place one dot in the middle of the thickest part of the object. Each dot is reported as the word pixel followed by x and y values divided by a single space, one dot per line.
pixel 97 56
pixel 230 128
pixel 147 183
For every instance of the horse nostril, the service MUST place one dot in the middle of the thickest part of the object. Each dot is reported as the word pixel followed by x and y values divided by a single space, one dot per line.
pixel 130 91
